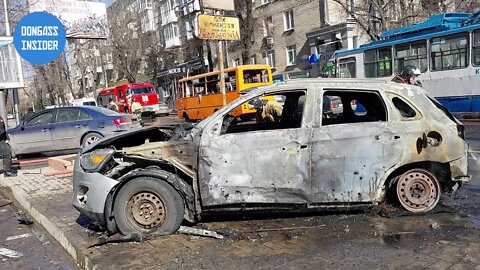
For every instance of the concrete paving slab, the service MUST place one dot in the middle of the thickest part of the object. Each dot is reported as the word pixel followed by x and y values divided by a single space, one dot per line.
pixel 339 241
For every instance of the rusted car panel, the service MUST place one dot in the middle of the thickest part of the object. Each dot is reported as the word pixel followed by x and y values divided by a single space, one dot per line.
pixel 306 159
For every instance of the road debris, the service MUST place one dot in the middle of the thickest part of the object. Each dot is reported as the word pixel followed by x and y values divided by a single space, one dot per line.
pixel 22 218
pixel 435 225
pixel 4 202
pixel 120 239
pixel 285 229
pixel 14 237
pixel 10 253
pixel 199 232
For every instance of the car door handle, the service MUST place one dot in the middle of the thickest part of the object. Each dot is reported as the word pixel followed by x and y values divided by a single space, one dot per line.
pixel 78 126
pixel 45 129
pixel 293 146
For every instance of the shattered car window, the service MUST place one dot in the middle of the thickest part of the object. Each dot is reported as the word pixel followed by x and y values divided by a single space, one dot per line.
pixel 270 113
pixel 356 107
pixel 404 109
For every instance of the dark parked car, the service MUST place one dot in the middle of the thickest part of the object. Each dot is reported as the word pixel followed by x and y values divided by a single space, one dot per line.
pixel 67 128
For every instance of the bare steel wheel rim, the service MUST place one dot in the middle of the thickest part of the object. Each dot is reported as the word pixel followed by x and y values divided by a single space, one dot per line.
pixel 92 139
pixel 418 191
pixel 147 210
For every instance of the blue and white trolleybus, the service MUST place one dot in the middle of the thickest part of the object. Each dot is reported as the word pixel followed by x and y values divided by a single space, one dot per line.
pixel 446 48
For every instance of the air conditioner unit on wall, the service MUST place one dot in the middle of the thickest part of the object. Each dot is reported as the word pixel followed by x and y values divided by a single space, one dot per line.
pixel 269 41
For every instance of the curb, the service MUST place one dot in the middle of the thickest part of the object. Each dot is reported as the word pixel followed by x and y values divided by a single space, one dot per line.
pixel 19 196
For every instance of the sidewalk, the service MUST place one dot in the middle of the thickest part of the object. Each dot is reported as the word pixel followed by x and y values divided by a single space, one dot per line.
pixel 41 197
pixel 320 241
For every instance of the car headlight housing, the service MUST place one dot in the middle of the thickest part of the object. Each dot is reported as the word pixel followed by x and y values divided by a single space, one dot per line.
pixel 95 160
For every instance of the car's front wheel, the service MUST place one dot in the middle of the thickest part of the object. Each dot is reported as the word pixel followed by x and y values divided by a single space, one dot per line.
pixel 147 205
pixel 418 191
pixel 91 138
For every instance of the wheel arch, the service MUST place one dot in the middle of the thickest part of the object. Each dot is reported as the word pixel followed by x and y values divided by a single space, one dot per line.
pixel 180 185
pixel 89 132
pixel 440 170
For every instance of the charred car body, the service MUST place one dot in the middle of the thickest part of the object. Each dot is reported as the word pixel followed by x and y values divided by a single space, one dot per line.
pixel 403 143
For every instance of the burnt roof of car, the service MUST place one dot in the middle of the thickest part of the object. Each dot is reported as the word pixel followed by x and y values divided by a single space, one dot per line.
pixel 350 83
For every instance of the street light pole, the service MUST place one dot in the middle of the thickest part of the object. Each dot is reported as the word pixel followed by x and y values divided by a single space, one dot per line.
pixel 3 100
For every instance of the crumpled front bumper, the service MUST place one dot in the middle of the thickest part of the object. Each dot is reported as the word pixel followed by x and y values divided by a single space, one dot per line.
pixel 90 191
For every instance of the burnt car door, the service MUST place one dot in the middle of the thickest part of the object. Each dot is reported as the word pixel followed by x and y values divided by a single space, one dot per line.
pixel 264 158
pixel 352 151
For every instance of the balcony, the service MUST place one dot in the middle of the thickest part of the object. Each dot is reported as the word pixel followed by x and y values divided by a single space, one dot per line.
pixel 172 42
pixel 168 17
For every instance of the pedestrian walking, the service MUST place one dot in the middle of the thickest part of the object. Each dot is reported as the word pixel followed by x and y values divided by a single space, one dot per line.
pixel 5 151
pixel 28 115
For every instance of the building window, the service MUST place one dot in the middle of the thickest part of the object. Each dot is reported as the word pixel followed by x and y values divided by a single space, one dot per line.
pixel 346 68
pixel 414 53
pixel 476 48
pixel 236 62
pixel 449 52
pixel 270 58
pixel 351 6
pixel 190 28
pixel 288 23
pixel 175 31
pixel 291 55
pixel 378 62
pixel 267 25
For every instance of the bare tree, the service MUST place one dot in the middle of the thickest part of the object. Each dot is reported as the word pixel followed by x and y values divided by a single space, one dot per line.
pixel 153 50
pixel 375 16
pixel 126 43
pixel 51 83
pixel 194 47
pixel 244 13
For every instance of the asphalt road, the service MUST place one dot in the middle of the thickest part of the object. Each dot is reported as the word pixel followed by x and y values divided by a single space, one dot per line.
pixel 28 246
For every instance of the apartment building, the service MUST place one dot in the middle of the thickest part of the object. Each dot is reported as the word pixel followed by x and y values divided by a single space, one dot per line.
pixel 296 38
pixel 184 52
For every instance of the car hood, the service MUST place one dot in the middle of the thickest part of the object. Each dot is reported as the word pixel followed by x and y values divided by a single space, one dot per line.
pixel 138 136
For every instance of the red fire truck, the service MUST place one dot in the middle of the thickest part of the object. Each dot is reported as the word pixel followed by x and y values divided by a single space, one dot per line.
pixel 123 95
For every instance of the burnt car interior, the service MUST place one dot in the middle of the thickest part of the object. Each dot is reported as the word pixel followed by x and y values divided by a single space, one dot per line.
pixel 358 106
pixel 291 116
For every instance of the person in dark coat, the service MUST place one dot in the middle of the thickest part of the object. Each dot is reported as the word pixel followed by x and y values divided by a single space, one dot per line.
pixel 5 151
pixel 29 114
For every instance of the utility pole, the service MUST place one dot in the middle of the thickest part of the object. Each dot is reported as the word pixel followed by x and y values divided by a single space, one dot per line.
pixel 222 68
pixel 3 100
pixel 80 65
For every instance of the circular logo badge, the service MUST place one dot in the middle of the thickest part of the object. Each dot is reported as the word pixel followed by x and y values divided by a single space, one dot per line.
pixel 39 37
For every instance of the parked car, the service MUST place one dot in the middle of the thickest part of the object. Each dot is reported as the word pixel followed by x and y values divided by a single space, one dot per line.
pixel 332 106
pixel 405 148
pixel 84 102
pixel 67 128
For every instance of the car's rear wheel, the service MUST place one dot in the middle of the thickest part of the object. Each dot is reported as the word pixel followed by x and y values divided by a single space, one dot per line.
pixel 91 138
pixel 146 205
pixel 418 191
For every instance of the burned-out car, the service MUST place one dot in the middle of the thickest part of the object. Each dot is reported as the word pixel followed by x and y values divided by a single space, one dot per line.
pixel 402 143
